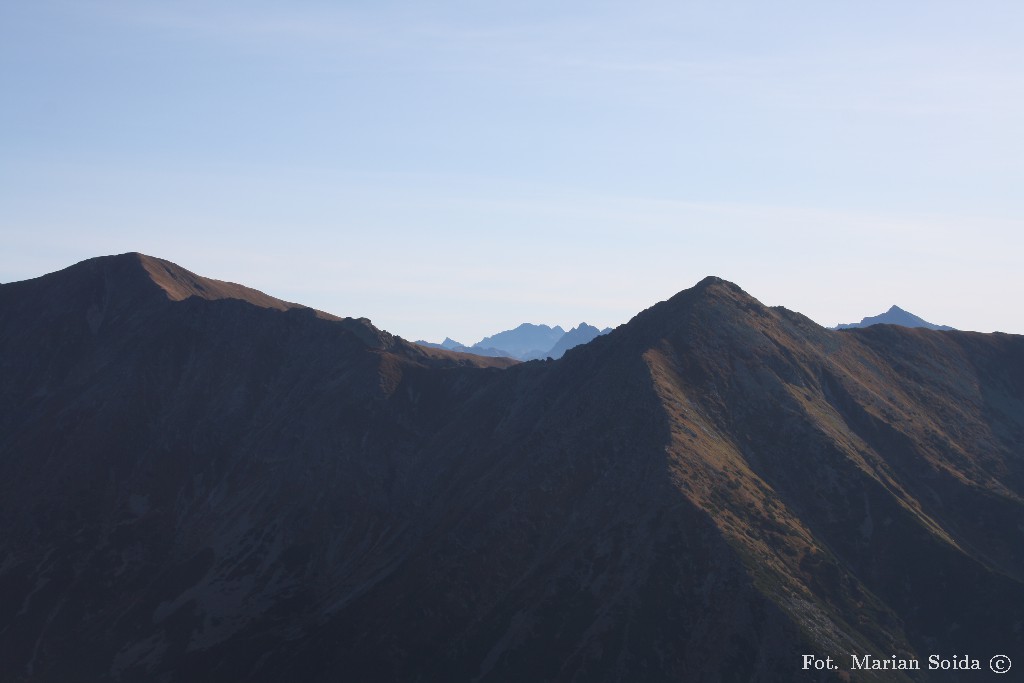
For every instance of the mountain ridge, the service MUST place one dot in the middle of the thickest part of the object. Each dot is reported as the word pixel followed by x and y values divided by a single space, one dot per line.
pixel 214 488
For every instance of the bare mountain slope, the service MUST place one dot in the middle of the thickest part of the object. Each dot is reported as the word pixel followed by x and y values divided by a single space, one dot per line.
pixel 197 483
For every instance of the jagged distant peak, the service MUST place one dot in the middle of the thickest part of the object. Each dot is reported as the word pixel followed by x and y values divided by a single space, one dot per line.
pixel 525 340
pixel 577 336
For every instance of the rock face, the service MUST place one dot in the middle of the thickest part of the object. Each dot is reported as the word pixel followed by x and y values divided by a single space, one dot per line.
pixel 894 316
pixel 202 483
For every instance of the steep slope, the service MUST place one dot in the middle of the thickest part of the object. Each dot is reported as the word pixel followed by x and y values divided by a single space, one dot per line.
pixel 894 316
pixel 872 479
pixel 168 466
pixel 211 489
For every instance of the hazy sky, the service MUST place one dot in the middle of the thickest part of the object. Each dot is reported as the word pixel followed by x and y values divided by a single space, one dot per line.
pixel 458 168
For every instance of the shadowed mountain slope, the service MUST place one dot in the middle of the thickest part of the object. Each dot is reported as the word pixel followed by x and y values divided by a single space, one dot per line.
pixel 209 487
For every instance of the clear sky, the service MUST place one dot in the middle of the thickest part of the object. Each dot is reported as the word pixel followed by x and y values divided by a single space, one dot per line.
pixel 457 168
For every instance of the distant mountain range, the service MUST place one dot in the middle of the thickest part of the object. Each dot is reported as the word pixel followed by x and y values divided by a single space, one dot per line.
pixel 894 316
pixel 530 342
pixel 450 344
pixel 200 482
pixel 526 342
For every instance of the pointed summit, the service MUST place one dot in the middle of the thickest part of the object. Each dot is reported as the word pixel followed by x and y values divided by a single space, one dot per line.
pixel 712 301
pixel 894 316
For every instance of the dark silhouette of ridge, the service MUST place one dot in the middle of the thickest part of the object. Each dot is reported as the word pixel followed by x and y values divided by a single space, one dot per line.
pixel 197 483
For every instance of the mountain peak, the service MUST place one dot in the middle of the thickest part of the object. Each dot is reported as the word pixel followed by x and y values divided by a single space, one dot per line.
pixel 710 280
pixel 133 276
pixel 712 291
pixel 821 490
pixel 894 316
pixel 577 336
pixel 712 306
pixel 525 340
pixel 715 285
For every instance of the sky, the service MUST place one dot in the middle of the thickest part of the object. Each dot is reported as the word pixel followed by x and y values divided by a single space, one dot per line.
pixel 457 168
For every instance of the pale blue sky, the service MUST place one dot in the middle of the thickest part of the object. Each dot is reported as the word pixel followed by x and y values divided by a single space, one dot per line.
pixel 458 168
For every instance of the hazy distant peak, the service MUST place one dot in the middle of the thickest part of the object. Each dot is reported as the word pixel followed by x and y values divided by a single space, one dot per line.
pixel 525 340
pixel 532 327
pixel 583 329
pixel 450 344
pixel 581 334
pixel 894 316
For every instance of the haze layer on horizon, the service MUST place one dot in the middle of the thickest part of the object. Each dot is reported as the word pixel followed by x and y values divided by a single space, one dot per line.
pixel 454 169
